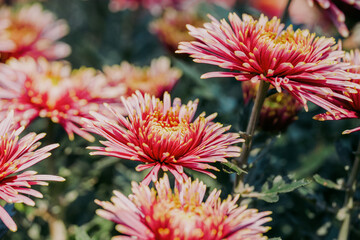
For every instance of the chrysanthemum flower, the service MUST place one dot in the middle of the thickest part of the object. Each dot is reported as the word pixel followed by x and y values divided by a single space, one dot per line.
pixel 171 27
pixel 164 136
pixel 304 65
pixel 31 31
pixel 155 80
pixel 162 214
pixel 18 154
pixel 278 111
pixel 335 14
pixel 351 109
pixel 38 88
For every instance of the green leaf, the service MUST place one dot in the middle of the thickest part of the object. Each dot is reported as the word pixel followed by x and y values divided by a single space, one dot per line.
pixel 327 183
pixel 278 186
pixel 233 168
pixel 270 198
pixel 275 238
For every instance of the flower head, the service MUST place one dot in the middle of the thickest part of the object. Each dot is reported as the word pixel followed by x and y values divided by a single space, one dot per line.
pixel 18 154
pixel 164 136
pixel 171 27
pixel 31 31
pixel 38 88
pixel 155 79
pixel 278 111
pixel 304 65
pixel 161 214
pixel 351 108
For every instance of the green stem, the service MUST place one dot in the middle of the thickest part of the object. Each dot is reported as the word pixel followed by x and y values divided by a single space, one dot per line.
pixel 50 137
pixel 255 113
pixel 349 197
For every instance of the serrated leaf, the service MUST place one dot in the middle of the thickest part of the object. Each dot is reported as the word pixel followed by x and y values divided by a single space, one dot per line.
pixel 279 186
pixel 271 198
pixel 234 168
pixel 326 182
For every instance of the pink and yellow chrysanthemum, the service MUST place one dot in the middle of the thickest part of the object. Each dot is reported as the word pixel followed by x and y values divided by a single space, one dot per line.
pixel 162 214
pixel 164 136
pixel 155 79
pixel 31 31
pixel 38 88
pixel 18 154
pixel 171 27
pixel 304 65
pixel 352 109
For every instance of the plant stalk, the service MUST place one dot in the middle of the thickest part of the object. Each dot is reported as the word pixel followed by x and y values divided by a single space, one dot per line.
pixel 254 117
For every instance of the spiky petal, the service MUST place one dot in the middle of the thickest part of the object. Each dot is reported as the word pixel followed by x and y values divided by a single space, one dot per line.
pixel 154 79
pixel 16 155
pixel 164 136
pixel 31 31
pixel 350 109
pixel 160 214
pixel 39 88
pixel 297 61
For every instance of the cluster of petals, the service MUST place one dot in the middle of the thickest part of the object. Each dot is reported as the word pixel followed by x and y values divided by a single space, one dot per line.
pixel 278 111
pixel 171 27
pixel 304 65
pixel 38 88
pixel 335 14
pixel 31 31
pixel 155 79
pixel 156 7
pixel 160 214
pixel 351 108
pixel 18 154
pixel 164 136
